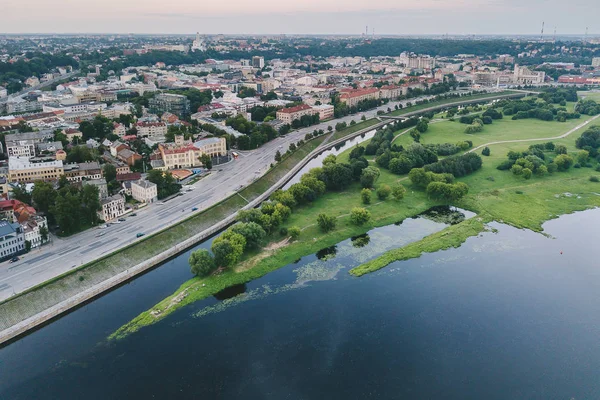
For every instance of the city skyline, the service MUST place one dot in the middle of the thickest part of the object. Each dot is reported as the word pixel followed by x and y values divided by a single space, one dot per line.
pixel 387 17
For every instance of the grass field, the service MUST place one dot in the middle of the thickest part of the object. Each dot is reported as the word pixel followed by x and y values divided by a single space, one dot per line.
pixel 447 131
pixel 590 95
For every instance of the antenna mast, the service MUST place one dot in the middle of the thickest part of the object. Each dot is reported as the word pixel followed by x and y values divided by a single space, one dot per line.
pixel 542 35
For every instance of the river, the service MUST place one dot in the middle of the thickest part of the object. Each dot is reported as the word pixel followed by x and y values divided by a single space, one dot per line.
pixel 509 315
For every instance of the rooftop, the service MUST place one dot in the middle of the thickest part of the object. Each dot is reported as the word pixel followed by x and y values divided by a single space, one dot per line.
pixel 22 163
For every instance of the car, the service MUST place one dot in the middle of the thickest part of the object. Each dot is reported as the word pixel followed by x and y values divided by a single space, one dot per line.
pixel 14 259
pixel 195 209
pixel 121 220
pixel 101 234
pixel 133 215
pixel 139 235
pixel 103 226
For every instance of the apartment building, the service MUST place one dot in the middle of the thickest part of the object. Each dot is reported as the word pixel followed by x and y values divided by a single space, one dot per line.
pixel 112 207
pixel 22 170
pixel 12 239
pixel 355 96
pixel 21 144
pixel 326 111
pixel 390 92
pixel 288 115
pixel 173 103
pixel 144 191
pixel 595 62
pixel 153 130
pixel 31 230
pixel 83 171
pixel 187 154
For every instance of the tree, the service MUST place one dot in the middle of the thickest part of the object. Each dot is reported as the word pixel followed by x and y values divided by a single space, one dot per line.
pixel 517 169
pixel 202 263
pixel 44 234
pixel 27 246
pixel 326 223
pixel 110 172
pixel 563 161
pixel 294 232
pixel 359 216
pixel 583 156
pixel 228 248
pixel 329 128
pixel 398 192
pixel 365 195
pixel 89 203
pixel 383 192
pixel 369 176
pixel 526 173
pixel 206 161
pixel 251 231
pixel 485 151
pixel 19 192
pixel 277 156
pixel 560 149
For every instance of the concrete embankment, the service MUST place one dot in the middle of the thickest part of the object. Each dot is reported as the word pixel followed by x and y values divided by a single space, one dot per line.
pixel 72 302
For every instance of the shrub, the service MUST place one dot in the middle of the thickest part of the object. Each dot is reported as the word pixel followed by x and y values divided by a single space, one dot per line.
pixel 383 192
pixel 398 192
pixel 526 173
pixel 518 191
pixel 577 165
pixel 446 191
pixel 486 151
pixel 487 120
pixel 563 162
pixel 365 195
pixel 359 216
pixel 560 149
pixel 594 179
pixel 294 232
pixel 326 223
pixel 505 165
pixel 491 179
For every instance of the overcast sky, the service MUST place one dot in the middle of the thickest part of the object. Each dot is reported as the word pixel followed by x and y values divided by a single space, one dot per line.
pixel 300 16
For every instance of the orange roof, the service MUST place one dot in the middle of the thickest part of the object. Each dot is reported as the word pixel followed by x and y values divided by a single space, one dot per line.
pixel 181 173
pixel 291 110
pixel 358 92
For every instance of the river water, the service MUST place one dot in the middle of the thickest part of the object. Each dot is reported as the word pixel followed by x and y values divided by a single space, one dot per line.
pixel 505 316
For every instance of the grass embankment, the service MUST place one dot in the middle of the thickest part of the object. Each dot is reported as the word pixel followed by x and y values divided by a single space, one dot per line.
pixel 452 237
pixel 353 128
pixel 60 288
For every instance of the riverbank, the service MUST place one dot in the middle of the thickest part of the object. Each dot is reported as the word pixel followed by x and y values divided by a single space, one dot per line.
pixel 50 299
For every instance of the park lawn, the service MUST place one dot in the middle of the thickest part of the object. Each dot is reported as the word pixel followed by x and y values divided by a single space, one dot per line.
pixel 503 129
pixel 590 95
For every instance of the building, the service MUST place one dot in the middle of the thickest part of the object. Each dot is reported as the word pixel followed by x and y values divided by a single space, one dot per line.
pixel 595 63
pixel 3 92
pixel 32 230
pixel 153 130
pixel 524 76
pixel 21 170
pixel 119 129
pixel 198 44
pixel 112 208
pixel 258 62
pixel 326 111
pixel 21 144
pixel 390 92
pixel 83 171
pixel 101 185
pixel 128 156
pixel 71 134
pixel 414 61
pixel 288 115
pixel 187 154
pixel 12 239
pixel 173 103
pixel 144 191
pixel 353 97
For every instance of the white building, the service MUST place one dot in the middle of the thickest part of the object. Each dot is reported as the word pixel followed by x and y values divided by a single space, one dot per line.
pixel 326 111
pixel 3 93
pixel 595 63
pixel 31 230
pixel 12 239
pixel 198 44
pixel 112 207
pixel 153 130
pixel 144 191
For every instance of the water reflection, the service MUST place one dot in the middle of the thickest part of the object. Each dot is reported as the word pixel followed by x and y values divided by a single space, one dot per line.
pixel 360 241
pixel 327 253
pixel 231 292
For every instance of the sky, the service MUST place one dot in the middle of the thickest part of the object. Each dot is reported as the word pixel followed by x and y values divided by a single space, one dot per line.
pixel 400 17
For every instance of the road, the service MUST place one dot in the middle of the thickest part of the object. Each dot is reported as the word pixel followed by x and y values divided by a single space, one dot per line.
pixel 40 86
pixel 61 255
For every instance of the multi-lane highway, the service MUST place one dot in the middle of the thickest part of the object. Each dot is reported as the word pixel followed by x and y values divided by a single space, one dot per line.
pixel 64 254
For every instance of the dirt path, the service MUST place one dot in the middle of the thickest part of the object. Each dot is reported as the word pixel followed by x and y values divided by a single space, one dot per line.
pixel 564 135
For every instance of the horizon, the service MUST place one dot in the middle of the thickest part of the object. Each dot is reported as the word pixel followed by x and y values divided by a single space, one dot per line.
pixel 311 17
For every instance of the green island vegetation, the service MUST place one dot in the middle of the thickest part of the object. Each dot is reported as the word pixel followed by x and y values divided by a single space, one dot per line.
pixel 391 177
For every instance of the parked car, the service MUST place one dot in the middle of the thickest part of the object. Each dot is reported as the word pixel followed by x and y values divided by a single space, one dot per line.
pixel 139 235
pixel 122 220
pixel 14 259
pixel 133 215
pixel 195 209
